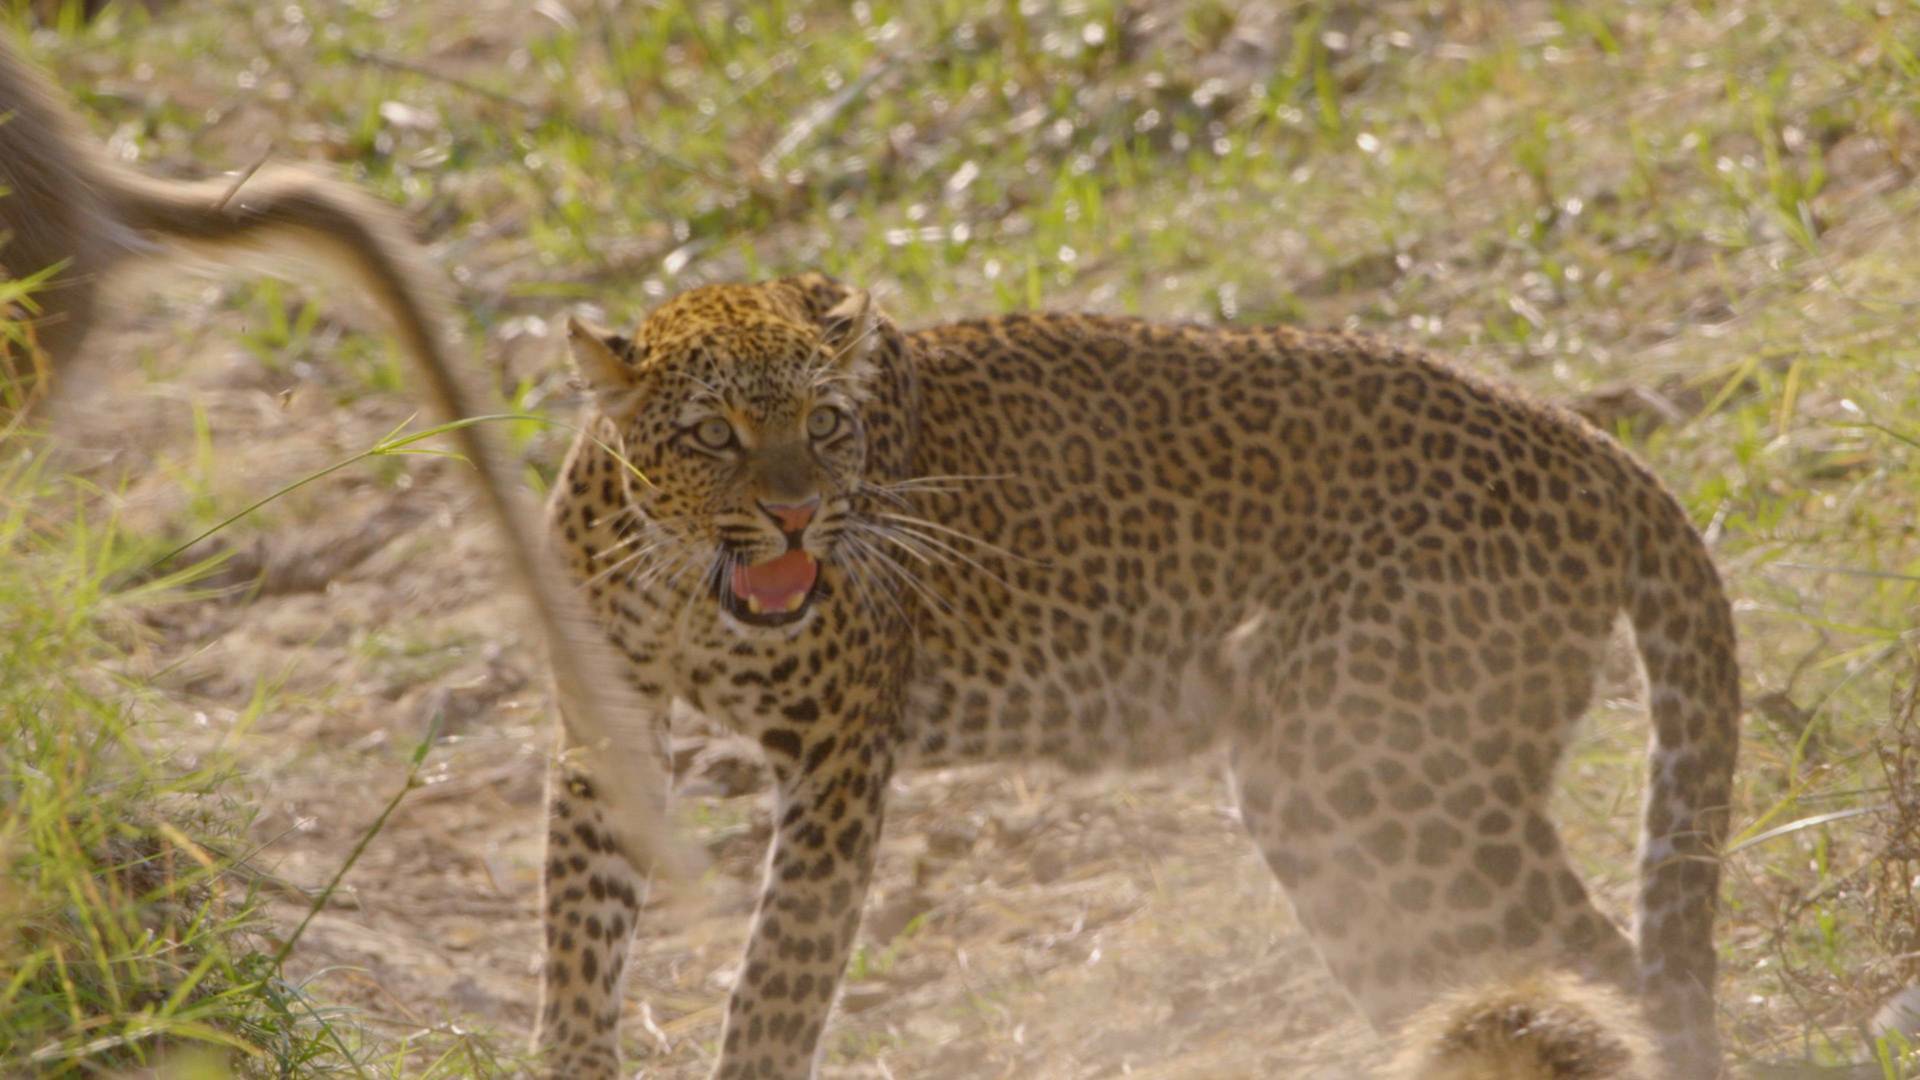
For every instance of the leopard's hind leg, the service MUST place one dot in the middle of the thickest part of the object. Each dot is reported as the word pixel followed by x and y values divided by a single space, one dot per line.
pixel 1410 829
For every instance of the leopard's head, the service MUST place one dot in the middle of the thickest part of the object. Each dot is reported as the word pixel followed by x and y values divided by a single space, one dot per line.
pixel 749 418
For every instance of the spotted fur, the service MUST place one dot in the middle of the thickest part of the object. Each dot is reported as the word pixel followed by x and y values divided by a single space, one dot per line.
pixel 1383 583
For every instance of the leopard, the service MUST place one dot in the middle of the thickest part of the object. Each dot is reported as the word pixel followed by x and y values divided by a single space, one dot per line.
pixel 1379 585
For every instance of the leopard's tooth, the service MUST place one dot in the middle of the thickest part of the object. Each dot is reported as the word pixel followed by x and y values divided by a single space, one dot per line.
pixel 753 605
pixel 798 599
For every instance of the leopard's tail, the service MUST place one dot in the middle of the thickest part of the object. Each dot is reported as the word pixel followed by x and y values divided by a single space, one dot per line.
pixel 1684 629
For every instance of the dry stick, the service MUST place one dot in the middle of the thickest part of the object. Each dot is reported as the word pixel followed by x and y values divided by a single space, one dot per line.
pixel 820 115
pixel 616 56
pixel 633 142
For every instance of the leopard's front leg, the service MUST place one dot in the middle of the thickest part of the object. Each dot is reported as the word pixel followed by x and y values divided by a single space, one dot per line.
pixel 829 801
pixel 592 892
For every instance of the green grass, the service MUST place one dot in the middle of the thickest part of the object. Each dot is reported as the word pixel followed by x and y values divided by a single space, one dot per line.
pixel 129 926
pixel 129 929
pixel 121 935
pixel 1712 204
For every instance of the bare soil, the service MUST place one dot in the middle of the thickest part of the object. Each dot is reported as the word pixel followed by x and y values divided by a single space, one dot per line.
pixel 1023 924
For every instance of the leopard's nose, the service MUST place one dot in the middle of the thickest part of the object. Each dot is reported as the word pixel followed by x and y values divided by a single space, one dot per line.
pixel 792 517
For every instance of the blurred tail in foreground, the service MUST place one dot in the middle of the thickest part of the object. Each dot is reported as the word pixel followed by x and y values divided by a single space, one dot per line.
pixel 68 208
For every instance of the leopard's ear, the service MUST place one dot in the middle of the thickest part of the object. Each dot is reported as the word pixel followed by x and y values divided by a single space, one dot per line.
pixel 604 360
pixel 848 329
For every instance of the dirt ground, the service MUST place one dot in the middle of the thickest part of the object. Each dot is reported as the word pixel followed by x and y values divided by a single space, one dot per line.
pixel 1023 924
pixel 1685 220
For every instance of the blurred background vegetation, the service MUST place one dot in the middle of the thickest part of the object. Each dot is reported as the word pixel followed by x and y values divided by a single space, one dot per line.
pixel 1694 222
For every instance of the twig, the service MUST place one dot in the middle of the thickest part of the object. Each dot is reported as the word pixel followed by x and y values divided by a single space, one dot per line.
pixel 379 823
pixel 246 174
pixel 394 443
pixel 1806 823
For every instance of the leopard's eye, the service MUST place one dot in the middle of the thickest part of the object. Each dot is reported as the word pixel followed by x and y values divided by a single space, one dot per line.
pixel 823 421
pixel 714 433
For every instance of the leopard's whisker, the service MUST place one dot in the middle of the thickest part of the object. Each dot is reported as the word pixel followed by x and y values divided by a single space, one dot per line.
pixel 636 538
pixel 872 327
pixel 892 599
pixel 708 584
pixel 925 557
pixel 896 498
pixel 858 572
pixel 987 545
pixel 899 533
pixel 942 478
pixel 909 580
pixel 660 570
pixel 630 559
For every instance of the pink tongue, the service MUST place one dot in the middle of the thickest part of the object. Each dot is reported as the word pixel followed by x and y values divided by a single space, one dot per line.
pixel 776 583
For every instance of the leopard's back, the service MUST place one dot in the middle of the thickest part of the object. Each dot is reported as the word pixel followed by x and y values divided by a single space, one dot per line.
pixel 1123 521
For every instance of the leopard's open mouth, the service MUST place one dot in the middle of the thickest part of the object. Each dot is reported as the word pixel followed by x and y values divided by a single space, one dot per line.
pixel 774 592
